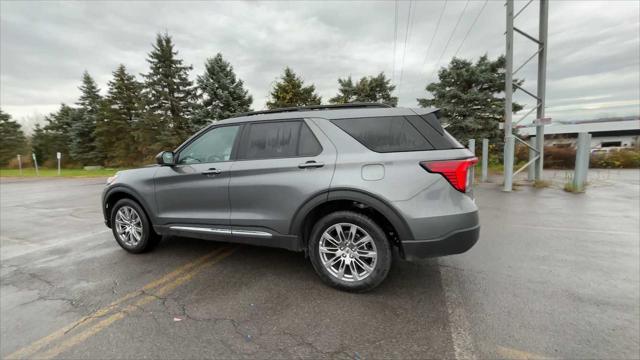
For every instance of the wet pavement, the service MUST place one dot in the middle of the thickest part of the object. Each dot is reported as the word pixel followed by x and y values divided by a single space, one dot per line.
pixel 554 275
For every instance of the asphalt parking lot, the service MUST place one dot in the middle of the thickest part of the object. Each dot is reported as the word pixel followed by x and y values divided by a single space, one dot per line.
pixel 555 275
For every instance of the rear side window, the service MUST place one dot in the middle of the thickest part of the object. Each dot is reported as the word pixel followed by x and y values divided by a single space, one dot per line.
pixel 385 134
pixel 430 128
pixel 308 144
pixel 398 133
pixel 281 139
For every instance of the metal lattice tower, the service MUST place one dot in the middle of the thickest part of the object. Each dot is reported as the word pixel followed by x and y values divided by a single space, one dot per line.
pixel 509 138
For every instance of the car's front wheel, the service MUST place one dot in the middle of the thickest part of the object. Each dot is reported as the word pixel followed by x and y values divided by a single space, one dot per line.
pixel 350 251
pixel 132 228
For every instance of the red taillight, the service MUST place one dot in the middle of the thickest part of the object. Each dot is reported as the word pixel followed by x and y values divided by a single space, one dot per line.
pixel 455 171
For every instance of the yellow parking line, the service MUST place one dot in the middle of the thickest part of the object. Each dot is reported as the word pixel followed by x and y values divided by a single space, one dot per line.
pixel 85 334
pixel 89 319
pixel 514 354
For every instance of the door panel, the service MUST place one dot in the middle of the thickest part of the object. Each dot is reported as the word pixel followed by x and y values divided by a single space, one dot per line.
pixel 186 196
pixel 196 190
pixel 265 193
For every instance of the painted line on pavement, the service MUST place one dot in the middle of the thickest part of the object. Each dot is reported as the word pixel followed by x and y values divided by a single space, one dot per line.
pixel 172 280
pixel 458 323
pixel 552 228
pixel 514 354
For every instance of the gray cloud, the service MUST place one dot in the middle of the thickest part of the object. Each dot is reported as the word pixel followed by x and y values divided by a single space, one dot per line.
pixel 593 66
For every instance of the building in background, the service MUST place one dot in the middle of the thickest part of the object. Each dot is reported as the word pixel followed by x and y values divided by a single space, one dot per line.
pixel 605 134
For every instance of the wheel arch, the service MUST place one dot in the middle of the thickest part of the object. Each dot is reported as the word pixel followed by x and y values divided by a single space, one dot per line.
pixel 113 195
pixel 348 199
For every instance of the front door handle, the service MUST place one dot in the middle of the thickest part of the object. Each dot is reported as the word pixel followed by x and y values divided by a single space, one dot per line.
pixel 310 164
pixel 212 171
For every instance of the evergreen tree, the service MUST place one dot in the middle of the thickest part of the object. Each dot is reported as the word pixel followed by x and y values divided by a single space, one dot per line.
pixel 346 92
pixel 222 94
pixel 468 96
pixel 84 147
pixel 372 89
pixel 39 142
pixel 12 139
pixel 56 135
pixel 121 114
pixel 171 99
pixel 290 92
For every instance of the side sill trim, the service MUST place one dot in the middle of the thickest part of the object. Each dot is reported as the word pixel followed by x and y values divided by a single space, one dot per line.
pixel 249 233
pixel 199 229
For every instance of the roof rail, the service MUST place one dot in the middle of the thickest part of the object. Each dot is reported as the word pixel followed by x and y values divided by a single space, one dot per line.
pixel 355 105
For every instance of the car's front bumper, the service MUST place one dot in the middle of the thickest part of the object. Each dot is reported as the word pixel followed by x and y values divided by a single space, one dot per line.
pixel 455 242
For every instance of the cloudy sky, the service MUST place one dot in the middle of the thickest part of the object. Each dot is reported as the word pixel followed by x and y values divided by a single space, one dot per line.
pixel 593 59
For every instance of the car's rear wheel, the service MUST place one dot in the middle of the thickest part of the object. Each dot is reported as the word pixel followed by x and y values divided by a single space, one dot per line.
pixel 132 228
pixel 350 251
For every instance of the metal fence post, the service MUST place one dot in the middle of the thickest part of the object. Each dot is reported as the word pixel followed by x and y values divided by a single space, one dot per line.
pixel 35 163
pixel 59 156
pixel 583 153
pixel 20 164
pixel 472 145
pixel 485 159
pixel 509 146
pixel 531 170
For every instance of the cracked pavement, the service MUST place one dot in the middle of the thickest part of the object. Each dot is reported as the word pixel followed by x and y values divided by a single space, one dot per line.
pixel 554 275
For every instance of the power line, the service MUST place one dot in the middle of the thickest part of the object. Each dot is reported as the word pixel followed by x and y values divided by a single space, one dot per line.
pixel 472 25
pixel 434 33
pixel 450 37
pixel 406 37
pixel 395 41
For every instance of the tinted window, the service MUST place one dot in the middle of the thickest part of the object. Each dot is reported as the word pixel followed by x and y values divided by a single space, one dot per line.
pixel 308 144
pixel 271 140
pixel 213 146
pixel 278 140
pixel 385 134
pixel 431 129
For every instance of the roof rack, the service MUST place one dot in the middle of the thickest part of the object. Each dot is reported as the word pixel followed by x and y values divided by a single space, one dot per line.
pixel 355 105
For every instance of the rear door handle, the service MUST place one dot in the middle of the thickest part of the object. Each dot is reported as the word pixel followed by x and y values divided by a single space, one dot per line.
pixel 212 171
pixel 310 164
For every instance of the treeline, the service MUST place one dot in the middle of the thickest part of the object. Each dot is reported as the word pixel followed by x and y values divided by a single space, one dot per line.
pixel 136 118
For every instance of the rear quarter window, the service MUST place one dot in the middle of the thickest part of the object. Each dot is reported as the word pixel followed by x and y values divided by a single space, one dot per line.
pixel 384 134
pixel 398 133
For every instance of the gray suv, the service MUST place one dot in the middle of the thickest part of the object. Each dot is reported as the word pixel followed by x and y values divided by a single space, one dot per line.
pixel 344 184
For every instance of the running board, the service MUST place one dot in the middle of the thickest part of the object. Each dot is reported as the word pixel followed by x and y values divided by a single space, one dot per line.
pixel 249 233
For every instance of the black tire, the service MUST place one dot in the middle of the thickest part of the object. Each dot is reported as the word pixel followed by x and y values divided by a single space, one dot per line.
pixel 148 240
pixel 382 247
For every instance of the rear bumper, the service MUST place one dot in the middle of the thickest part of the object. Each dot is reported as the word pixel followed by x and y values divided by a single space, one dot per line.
pixel 455 242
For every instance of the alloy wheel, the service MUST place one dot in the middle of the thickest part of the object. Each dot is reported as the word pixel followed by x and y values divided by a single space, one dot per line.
pixel 128 226
pixel 348 252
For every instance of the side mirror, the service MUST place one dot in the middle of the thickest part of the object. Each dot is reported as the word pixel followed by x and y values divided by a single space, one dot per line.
pixel 165 158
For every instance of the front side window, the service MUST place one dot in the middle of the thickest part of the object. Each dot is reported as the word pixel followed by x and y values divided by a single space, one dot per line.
pixel 213 146
pixel 269 140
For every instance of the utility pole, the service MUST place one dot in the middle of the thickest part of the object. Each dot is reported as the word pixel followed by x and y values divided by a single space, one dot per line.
pixel 509 147
pixel 540 121
pixel 542 84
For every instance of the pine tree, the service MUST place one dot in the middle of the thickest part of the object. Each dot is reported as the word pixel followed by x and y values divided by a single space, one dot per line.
pixel 468 96
pixel 121 114
pixel 84 148
pixel 222 94
pixel 291 92
pixel 372 89
pixel 56 135
pixel 39 142
pixel 171 99
pixel 346 92
pixel 12 139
